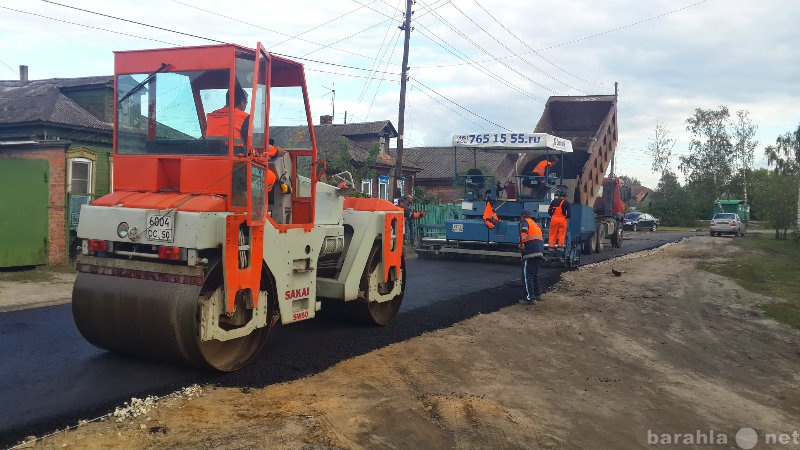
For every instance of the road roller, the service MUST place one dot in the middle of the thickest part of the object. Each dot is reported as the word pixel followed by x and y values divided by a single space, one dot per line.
pixel 217 227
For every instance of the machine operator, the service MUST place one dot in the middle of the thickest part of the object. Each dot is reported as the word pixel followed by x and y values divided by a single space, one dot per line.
pixel 559 214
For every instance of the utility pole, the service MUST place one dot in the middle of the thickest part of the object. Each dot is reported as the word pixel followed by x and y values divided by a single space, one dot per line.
pixel 398 169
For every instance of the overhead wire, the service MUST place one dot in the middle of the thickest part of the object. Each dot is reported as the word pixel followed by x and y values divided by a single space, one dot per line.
pixel 525 44
pixel 86 26
pixel 135 22
pixel 297 37
pixel 9 67
pixel 478 65
pixel 507 66
pixel 380 82
pixel 376 61
pixel 456 104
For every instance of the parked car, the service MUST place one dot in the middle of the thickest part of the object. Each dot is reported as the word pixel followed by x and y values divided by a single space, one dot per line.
pixel 727 223
pixel 640 221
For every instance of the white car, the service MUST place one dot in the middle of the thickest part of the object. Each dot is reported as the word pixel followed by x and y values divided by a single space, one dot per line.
pixel 726 223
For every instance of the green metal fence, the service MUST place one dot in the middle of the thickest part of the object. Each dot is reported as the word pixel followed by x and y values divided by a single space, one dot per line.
pixel 432 225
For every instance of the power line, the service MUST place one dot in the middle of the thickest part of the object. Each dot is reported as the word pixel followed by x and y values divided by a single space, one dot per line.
pixel 135 22
pixel 624 26
pixel 579 39
pixel 9 67
pixel 475 64
pixel 85 26
pixel 503 26
pixel 320 25
pixel 465 109
pixel 477 25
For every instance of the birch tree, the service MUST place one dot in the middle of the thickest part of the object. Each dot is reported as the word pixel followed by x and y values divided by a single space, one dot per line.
pixel 660 149
pixel 744 145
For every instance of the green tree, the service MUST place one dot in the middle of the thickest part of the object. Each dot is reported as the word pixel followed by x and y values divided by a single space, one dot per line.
pixel 785 155
pixel 670 202
pixel 342 161
pixel 708 169
pixel 774 196
pixel 630 181
pixel 422 196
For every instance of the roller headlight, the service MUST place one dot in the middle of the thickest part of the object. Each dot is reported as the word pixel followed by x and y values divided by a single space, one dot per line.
pixel 122 230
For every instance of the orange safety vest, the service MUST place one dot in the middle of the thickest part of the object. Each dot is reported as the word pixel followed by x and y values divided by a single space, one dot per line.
pixel 217 123
pixel 489 216
pixel 534 232
pixel 541 168
pixel 558 212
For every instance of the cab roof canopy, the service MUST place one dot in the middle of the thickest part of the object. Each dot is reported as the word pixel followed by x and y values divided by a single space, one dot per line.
pixel 284 71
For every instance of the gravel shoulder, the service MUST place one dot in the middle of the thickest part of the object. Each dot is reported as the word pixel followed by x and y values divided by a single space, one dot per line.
pixel 663 351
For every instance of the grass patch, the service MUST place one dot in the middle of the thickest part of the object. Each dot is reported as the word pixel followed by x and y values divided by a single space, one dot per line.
pixel 35 274
pixel 767 267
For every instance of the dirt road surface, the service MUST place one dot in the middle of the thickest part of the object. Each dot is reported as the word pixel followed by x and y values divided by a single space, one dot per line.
pixel 663 356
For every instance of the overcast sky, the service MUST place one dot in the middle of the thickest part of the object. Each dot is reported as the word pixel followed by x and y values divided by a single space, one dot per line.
pixel 476 65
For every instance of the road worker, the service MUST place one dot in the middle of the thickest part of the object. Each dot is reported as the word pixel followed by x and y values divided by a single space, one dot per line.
pixel 541 170
pixel 217 121
pixel 489 216
pixel 531 245
pixel 559 214
pixel 407 203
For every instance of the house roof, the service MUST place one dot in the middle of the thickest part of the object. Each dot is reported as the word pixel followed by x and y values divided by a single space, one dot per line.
pixel 44 101
pixel 379 128
pixel 328 143
pixel 437 162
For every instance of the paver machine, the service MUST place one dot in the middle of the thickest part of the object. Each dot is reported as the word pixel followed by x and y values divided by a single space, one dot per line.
pixel 489 227
pixel 581 131
pixel 194 256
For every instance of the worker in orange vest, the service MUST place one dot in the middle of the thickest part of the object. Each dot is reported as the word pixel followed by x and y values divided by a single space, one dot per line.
pixel 531 245
pixel 542 169
pixel 544 165
pixel 559 214
pixel 217 121
pixel 489 216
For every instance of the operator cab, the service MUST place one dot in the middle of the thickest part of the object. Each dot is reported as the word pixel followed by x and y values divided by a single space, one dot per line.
pixel 165 143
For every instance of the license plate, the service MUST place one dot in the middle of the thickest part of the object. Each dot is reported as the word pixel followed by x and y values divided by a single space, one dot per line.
pixel 160 227
pixel 458 228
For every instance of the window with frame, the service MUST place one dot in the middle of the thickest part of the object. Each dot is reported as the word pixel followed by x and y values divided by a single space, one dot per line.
pixel 383 188
pixel 80 176
pixel 366 187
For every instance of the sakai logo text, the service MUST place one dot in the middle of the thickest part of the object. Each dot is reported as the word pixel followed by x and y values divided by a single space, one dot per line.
pixel 297 293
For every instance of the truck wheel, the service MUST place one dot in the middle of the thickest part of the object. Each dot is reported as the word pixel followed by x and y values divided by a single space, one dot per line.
pixel 379 311
pixel 601 237
pixel 616 238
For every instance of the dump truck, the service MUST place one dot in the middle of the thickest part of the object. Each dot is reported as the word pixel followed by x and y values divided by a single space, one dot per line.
pixel 212 236
pixel 581 131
